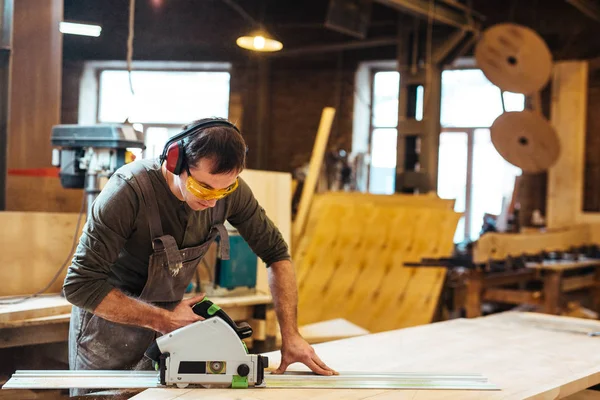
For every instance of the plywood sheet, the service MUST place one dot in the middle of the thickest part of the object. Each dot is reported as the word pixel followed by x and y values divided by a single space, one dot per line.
pixel 33 246
pixel 354 258
pixel 527 363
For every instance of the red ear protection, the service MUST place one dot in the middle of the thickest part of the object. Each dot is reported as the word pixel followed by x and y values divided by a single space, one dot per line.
pixel 174 157
pixel 174 152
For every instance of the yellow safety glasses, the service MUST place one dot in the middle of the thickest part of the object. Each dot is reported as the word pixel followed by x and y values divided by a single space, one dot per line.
pixel 205 193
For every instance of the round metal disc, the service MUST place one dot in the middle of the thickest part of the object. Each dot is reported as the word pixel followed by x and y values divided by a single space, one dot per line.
pixel 514 58
pixel 526 140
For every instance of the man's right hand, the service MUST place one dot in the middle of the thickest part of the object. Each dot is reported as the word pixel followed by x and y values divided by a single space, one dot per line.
pixel 182 315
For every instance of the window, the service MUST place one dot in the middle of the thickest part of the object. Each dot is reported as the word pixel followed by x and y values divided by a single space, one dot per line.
pixel 469 168
pixel 469 105
pixel 166 95
pixel 384 122
pixel 162 97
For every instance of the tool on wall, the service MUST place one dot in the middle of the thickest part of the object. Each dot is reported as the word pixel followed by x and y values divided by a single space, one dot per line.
pixel 516 59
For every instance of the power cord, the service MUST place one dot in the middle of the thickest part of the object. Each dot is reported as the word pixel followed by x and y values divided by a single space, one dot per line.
pixel 64 265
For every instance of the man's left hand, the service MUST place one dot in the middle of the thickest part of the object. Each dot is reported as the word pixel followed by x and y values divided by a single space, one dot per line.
pixel 296 349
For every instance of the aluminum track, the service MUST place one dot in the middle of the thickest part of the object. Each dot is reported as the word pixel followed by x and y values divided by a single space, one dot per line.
pixel 291 380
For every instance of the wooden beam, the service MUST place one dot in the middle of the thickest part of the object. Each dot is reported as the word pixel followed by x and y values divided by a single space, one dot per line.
pixel 336 47
pixel 512 296
pixel 34 334
pixel 441 13
pixel 314 171
pixel 568 117
pixel 573 283
pixel 506 278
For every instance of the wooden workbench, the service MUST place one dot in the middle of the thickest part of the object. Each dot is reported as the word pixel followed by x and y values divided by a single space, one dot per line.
pixel 526 355
pixel 45 319
pixel 558 277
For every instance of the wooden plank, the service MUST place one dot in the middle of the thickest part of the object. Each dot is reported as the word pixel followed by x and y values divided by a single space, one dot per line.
pixel 573 283
pixel 327 331
pixel 521 368
pixel 314 170
pixel 33 246
pixel 35 334
pixel 512 296
pixel 499 246
pixel 505 278
pixel 43 306
pixel 568 117
pixel 50 196
pixel 273 192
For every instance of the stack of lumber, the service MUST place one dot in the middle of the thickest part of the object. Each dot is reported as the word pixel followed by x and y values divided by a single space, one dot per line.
pixel 350 259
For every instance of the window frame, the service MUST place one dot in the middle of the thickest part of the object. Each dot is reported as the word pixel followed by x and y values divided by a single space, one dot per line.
pixel 89 89
pixel 470 132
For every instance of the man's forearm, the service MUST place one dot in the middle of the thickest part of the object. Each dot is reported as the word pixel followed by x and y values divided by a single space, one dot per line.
pixel 117 307
pixel 282 281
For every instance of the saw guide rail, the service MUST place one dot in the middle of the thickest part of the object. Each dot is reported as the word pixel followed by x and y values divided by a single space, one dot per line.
pixel 346 380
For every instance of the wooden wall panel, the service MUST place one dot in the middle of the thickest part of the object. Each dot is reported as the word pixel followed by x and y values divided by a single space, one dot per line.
pixel 33 246
pixel 35 91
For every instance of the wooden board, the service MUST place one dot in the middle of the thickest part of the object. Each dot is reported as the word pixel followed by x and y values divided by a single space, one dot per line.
pixel 314 170
pixel 33 246
pixel 568 116
pixel 273 192
pixel 355 252
pixel 33 193
pixel 43 306
pixel 498 246
pixel 327 331
pixel 526 362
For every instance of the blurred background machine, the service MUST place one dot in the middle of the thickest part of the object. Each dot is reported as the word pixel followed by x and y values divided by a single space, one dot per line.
pixel 233 277
pixel 89 154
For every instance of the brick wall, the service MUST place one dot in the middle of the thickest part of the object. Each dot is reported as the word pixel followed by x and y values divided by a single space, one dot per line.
pixel 298 99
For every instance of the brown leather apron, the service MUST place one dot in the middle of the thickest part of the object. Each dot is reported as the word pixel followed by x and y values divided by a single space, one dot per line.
pixel 96 343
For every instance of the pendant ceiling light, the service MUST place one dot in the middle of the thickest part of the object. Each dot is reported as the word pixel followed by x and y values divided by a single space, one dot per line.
pixel 259 40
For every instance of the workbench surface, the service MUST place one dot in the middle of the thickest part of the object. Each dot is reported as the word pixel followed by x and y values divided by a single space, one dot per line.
pixel 527 355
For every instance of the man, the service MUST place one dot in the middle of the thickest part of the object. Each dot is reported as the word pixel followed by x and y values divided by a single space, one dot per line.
pixel 146 233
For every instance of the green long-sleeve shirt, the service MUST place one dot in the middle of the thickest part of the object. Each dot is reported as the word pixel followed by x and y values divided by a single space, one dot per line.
pixel 116 244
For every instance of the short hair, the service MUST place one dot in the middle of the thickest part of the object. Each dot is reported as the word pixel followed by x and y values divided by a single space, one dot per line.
pixel 221 143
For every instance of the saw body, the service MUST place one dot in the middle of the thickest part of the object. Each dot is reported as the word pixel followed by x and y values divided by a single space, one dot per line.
pixel 209 353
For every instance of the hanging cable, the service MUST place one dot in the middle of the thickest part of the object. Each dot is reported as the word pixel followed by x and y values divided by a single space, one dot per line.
pixel 130 42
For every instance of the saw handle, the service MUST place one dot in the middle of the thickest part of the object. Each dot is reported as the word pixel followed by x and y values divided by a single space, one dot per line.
pixel 207 309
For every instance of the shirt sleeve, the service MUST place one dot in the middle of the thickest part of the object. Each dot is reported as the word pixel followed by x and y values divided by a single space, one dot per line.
pixel 108 227
pixel 253 224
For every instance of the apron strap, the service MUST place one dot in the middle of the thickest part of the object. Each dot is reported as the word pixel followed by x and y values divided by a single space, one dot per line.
pixel 149 198
pixel 219 220
pixel 224 241
pixel 169 245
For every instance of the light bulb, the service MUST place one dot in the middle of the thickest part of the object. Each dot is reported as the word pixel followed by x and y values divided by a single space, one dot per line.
pixel 259 42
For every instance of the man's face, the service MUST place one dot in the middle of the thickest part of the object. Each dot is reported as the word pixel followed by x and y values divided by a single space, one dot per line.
pixel 201 173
